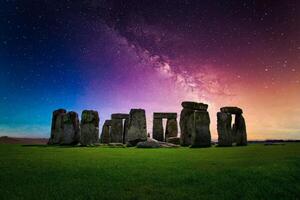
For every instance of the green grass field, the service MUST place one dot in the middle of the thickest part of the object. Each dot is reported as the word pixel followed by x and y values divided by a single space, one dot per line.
pixel 252 172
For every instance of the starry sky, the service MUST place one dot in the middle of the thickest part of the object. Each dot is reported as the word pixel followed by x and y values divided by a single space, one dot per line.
pixel 113 55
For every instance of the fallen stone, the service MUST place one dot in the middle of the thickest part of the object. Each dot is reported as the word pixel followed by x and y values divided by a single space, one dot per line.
pixel 150 143
pixel 116 145
pixel 173 140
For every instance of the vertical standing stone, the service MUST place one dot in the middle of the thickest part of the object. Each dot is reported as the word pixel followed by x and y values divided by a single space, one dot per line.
pixel 158 130
pixel 241 133
pixel 126 126
pixel 187 122
pixel 71 130
pixel 224 129
pixel 105 135
pixel 57 126
pixel 116 132
pixel 172 128
pixel 89 127
pixel 201 135
pixel 137 127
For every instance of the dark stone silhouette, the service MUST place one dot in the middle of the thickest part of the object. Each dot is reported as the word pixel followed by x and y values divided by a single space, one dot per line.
pixel 71 130
pixel 105 135
pixel 235 134
pixel 136 127
pixel 57 126
pixel 89 127
pixel 171 127
pixel 194 125
pixel 119 128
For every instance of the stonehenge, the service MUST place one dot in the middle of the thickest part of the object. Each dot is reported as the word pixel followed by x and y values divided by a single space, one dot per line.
pixel 65 127
pixel 89 127
pixel 105 134
pixel 137 129
pixel 171 127
pixel 194 125
pixel 227 134
pixel 131 129
pixel 119 127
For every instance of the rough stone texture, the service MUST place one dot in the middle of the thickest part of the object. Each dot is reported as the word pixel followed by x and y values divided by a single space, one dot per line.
pixel 173 140
pixel 57 126
pixel 137 126
pixel 201 135
pixel 186 126
pixel 89 127
pixel 125 130
pixel 120 115
pixel 150 143
pixel 241 133
pixel 224 129
pixel 71 130
pixel 116 131
pixel 165 115
pixel 158 130
pixel 194 105
pixel 171 129
pixel 105 135
pixel 232 110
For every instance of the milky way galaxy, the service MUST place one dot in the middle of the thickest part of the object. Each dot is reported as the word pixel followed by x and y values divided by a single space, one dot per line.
pixel 116 55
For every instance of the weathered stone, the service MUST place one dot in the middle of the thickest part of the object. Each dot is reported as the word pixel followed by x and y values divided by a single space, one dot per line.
pixel 165 115
pixel 201 135
pixel 120 116
pixel 224 129
pixel 158 130
pixel 240 128
pixel 57 126
pixel 125 130
pixel 173 140
pixel 232 110
pixel 116 145
pixel 187 122
pixel 89 127
pixel 194 105
pixel 150 143
pixel 116 131
pixel 137 126
pixel 71 130
pixel 171 129
pixel 105 135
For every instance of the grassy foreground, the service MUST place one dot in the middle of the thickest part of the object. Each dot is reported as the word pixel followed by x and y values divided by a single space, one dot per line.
pixel 252 172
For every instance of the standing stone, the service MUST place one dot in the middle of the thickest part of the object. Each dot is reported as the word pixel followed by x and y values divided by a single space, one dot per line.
pixel 224 129
pixel 126 126
pixel 171 129
pixel 158 130
pixel 116 131
pixel 89 127
pixel 105 135
pixel 201 135
pixel 240 128
pixel 57 126
pixel 137 127
pixel 71 130
pixel 187 122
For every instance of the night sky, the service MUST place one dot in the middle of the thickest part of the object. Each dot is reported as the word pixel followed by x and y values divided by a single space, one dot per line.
pixel 115 55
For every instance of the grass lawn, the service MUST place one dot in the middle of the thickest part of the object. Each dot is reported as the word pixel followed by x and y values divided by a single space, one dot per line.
pixel 252 172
